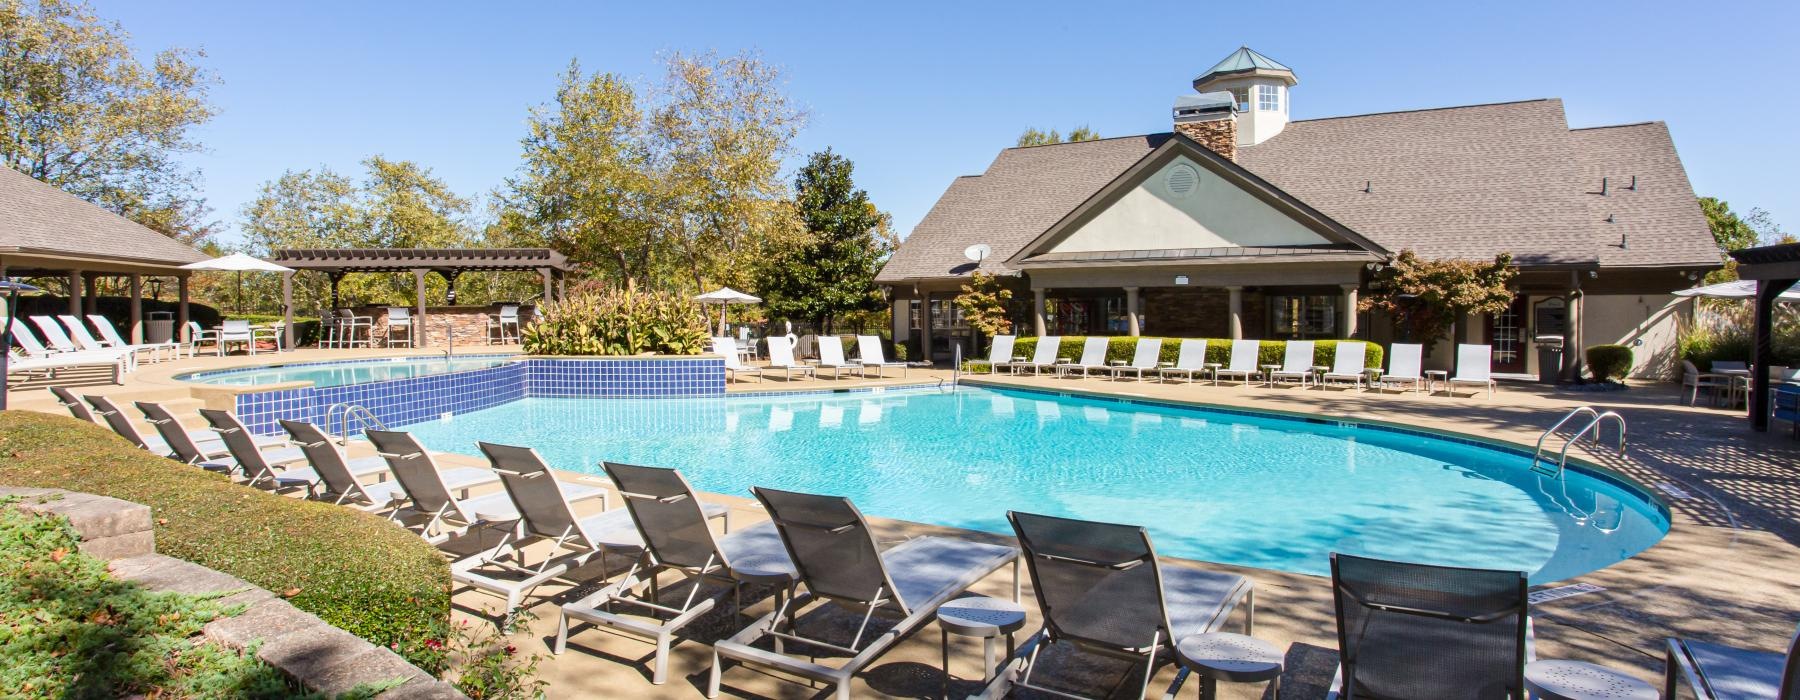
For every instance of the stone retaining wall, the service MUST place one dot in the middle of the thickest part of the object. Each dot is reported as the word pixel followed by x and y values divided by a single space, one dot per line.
pixel 323 658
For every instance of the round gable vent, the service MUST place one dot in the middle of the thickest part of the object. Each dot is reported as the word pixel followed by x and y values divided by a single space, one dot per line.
pixel 1182 181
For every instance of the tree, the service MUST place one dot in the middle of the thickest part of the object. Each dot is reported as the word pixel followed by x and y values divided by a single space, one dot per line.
pixel 832 270
pixel 1034 137
pixel 1426 297
pixel 985 302
pixel 79 111
pixel 1733 232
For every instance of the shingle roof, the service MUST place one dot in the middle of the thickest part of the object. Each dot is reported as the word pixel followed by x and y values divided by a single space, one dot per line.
pixel 1463 182
pixel 38 217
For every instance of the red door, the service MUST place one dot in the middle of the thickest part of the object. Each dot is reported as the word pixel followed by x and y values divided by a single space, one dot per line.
pixel 1506 333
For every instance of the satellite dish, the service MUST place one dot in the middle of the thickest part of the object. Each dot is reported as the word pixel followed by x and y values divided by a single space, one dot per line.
pixel 978 252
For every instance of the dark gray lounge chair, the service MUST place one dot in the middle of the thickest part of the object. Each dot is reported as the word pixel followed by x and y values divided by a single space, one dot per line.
pixel 677 537
pixel 115 418
pixel 438 506
pixel 545 515
pixel 257 468
pixel 1101 589
pixel 1719 672
pixel 182 445
pixel 66 399
pixel 835 556
pixel 1415 631
pixel 339 481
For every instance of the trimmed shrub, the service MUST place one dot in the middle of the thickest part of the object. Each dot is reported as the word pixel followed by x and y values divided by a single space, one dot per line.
pixel 1609 361
pixel 1218 350
pixel 617 322
pixel 352 569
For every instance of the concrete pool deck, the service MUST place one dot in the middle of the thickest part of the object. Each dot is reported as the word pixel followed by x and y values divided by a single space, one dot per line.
pixel 1720 575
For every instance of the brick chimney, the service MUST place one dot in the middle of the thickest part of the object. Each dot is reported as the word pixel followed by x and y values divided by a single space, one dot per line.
pixel 1209 119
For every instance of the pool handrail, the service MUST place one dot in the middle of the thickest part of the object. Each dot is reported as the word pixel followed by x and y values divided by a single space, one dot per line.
pixel 1593 425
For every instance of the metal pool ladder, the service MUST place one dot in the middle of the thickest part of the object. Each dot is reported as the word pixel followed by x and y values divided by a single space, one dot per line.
pixel 1542 466
pixel 344 411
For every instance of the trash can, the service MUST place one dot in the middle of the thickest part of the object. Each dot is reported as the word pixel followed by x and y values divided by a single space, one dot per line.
pixel 160 327
pixel 1550 357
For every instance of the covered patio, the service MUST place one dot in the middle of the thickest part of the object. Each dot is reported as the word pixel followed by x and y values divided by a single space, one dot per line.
pixel 447 263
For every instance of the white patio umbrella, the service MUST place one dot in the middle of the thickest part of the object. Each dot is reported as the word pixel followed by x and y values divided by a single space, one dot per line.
pixel 1735 289
pixel 725 297
pixel 239 263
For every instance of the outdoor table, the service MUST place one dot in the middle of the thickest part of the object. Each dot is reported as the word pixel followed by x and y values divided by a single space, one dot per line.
pixel 1432 377
pixel 1269 374
pixel 1578 680
pixel 982 617
pixel 1234 658
pixel 1740 381
pixel 1318 372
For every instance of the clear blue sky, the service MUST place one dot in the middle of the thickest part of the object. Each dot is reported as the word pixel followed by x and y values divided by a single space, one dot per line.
pixel 918 93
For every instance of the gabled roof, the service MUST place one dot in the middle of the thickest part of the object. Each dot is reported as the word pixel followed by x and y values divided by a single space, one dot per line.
pixel 37 218
pixel 1243 60
pixel 1461 182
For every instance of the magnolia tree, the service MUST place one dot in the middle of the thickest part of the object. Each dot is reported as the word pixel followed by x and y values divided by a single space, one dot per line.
pixel 984 302
pixel 1425 297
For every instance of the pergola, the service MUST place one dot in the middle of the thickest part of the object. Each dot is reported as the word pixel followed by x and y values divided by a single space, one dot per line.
pixel 448 263
pixel 1775 268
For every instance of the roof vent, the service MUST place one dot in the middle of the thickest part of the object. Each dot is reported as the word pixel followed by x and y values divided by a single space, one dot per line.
pixel 1182 181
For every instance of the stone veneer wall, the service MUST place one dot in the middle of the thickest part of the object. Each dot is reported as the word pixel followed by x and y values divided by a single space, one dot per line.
pixel 1199 312
pixel 1219 135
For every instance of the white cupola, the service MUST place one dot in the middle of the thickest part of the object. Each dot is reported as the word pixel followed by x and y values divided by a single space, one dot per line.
pixel 1259 86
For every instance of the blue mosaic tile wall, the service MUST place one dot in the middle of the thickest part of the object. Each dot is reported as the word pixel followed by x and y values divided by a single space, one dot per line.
pixel 407 401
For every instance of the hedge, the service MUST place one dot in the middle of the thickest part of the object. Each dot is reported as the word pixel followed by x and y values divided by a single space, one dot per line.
pixel 1609 361
pixel 1218 350
pixel 352 569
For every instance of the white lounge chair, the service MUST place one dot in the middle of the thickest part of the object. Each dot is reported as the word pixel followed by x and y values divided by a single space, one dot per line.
pixel 62 345
pixel 734 363
pixel 1404 362
pixel 1000 351
pixel 1144 359
pixel 1190 362
pixel 28 341
pixel 1243 362
pixel 1296 364
pixel 1093 358
pixel 831 356
pixel 1474 365
pixel 111 338
pixel 48 366
pixel 1044 356
pixel 781 357
pixel 1347 365
pixel 869 354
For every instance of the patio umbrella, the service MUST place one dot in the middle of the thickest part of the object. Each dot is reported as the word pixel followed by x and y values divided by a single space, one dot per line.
pixel 12 290
pixel 239 263
pixel 1735 289
pixel 725 297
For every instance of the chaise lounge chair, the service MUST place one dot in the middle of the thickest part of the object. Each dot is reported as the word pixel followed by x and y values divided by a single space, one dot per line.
pixel 1347 365
pixel 62 348
pixel 1000 353
pixel 1421 632
pixel 75 406
pixel 1719 672
pixel 1404 360
pixel 734 363
pixel 1474 365
pixel 1043 357
pixel 257 468
pixel 437 505
pixel 831 356
pixel 781 357
pixel 1243 362
pixel 1144 359
pixel 185 445
pixel 49 366
pixel 111 338
pixel 1296 364
pixel 1191 362
pixel 1103 591
pixel 869 354
pixel 835 556
pixel 1093 358
pixel 338 483
pixel 121 424
pixel 673 524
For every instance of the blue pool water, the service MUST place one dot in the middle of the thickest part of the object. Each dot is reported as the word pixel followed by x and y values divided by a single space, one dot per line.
pixel 324 374
pixel 1228 487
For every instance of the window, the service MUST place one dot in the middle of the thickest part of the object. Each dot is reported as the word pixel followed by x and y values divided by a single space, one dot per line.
pixel 1268 98
pixel 1242 97
pixel 1311 316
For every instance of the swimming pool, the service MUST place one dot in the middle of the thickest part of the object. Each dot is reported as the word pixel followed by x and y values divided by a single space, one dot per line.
pixel 1232 487
pixel 344 372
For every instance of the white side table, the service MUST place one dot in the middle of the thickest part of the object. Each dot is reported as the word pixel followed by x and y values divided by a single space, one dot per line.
pixel 982 617
pixel 1234 658
pixel 1576 680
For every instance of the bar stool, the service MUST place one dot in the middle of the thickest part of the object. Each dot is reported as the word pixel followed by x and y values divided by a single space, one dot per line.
pixel 329 329
pixel 400 318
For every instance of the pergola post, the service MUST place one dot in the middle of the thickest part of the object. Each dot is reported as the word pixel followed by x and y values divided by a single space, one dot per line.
pixel 181 315
pixel 76 285
pixel 336 277
pixel 545 272
pixel 287 310
pixel 136 330
pixel 419 298
pixel 1767 291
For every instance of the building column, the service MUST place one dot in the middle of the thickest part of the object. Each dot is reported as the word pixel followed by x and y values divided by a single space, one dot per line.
pixel 925 328
pixel 76 285
pixel 1350 291
pixel 135 331
pixel 419 298
pixel 902 320
pixel 1038 322
pixel 1572 351
pixel 181 313
pixel 90 300
pixel 287 310
pixel 545 273
pixel 1236 305
pixel 1132 326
